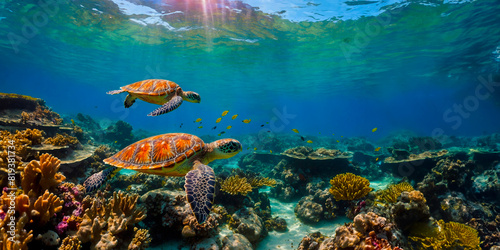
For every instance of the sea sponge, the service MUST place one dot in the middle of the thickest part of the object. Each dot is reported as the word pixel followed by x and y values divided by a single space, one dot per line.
pixel 449 235
pixel 62 140
pixel 70 243
pixel 349 186
pixel 45 207
pixel 236 185
pixel 39 176
pixel 391 193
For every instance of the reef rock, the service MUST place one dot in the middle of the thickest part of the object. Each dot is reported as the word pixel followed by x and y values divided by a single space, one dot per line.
pixel 308 211
pixel 246 222
pixel 236 242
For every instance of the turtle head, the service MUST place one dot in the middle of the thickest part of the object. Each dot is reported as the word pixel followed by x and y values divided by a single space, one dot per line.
pixel 191 96
pixel 225 148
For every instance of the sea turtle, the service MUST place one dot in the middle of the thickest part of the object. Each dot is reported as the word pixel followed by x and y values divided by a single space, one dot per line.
pixel 175 154
pixel 157 91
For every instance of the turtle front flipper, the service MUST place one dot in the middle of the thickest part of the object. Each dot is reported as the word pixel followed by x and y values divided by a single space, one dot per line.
pixel 129 100
pixel 96 180
pixel 200 188
pixel 114 92
pixel 167 107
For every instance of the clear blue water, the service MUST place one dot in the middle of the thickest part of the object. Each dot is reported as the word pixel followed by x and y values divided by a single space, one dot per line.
pixel 338 67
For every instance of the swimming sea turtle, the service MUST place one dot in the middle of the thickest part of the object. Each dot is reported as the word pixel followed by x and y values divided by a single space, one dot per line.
pixel 175 154
pixel 157 91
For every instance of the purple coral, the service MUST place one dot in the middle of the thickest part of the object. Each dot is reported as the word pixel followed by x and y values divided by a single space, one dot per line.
pixel 62 227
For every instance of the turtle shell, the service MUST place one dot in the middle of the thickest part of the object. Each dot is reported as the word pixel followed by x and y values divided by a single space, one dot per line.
pixel 159 154
pixel 151 87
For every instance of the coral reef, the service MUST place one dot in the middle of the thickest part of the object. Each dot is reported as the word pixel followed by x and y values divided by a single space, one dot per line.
pixel 40 176
pixel 141 239
pixel 392 192
pixel 303 153
pixel 448 235
pixel 63 140
pixel 120 134
pixel 70 243
pixel 308 211
pixel 349 187
pixel 104 220
pixel 236 185
pixel 18 238
pixel 20 142
pixel 409 209
pixel 246 222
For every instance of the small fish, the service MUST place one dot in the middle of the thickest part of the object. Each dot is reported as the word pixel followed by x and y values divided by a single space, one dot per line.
pixel 309 141
pixel 116 141
pixel 254 148
pixel 338 141
pixel 234 116
pixel 269 131
pixel 270 151
pixel 295 130
pixel 219 134
pixel 198 120
pixel 374 129
pixel 341 136
pixel 302 138
pixel 319 132
pixel 218 120
pixel 214 127
pixel 333 134
pixel 200 127
pixel 223 132
pixel 262 125
pixel 247 120
pixel 225 113
pixel 229 127
pixel 248 148
pixel 181 125
pixel 73 122
pixel 377 149
pixel 376 159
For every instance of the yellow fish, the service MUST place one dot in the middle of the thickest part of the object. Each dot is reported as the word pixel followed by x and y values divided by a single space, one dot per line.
pixel 198 120
pixel 73 122
pixel 341 136
pixel 219 134
pixel 234 116
pixel 309 141
pixel 374 129
pixel 200 127
pixel 247 120
pixel 218 120
pixel 116 141
pixel 377 149
pixel 225 113
pixel 270 151
pixel 295 130
pixel 333 134
pixel 229 127
pixel 376 159
pixel 337 140
pixel 254 148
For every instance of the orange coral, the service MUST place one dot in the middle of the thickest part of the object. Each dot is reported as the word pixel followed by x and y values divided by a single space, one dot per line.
pixel 45 206
pixel 42 175
pixel 62 140
pixel 349 187
pixel 21 237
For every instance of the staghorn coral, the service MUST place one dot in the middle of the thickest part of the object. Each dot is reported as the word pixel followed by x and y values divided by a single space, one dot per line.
pixel 391 193
pixel 39 176
pixel 448 235
pixel 20 239
pixel 349 187
pixel 70 243
pixel 62 140
pixel 257 182
pixel 141 239
pixel 104 219
pixel 236 185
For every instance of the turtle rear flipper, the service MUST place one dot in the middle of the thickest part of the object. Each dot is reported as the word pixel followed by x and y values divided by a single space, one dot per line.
pixel 114 92
pixel 200 188
pixel 96 180
pixel 167 107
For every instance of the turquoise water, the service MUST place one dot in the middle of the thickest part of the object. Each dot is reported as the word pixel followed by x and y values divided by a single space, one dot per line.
pixel 340 68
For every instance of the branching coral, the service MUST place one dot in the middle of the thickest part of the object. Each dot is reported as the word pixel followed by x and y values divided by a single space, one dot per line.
pixel 257 182
pixel 62 140
pixel 70 243
pixel 45 206
pixel 391 193
pixel 141 239
pixel 20 239
pixel 104 219
pixel 449 235
pixel 20 141
pixel 39 176
pixel 349 187
pixel 236 185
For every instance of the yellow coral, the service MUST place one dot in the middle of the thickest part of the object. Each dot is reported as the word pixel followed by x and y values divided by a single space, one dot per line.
pixel 257 182
pixel 236 185
pixel 21 237
pixel 62 140
pixel 141 239
pixel 349 186
pixel 70 243
pixel 42 175
pixel 391 193
pixel 449 235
